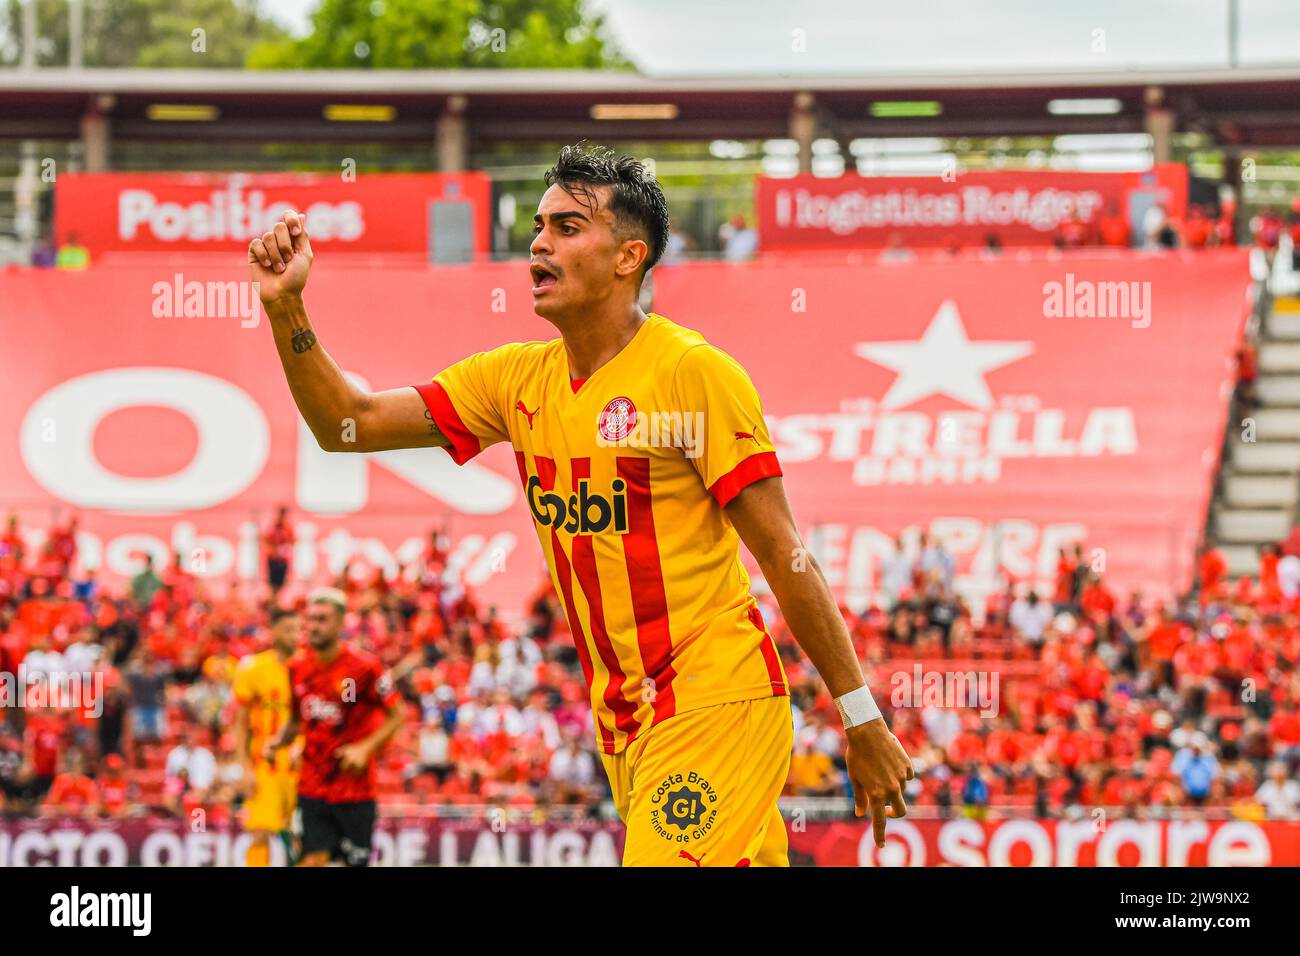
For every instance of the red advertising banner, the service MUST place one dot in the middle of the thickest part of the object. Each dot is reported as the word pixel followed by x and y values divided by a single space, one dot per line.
pixel 1010 408
pixel 997 405
pixel 419 841
pixel 1086 842
pixel 398 841
pixel 371 213
pixel 1020 208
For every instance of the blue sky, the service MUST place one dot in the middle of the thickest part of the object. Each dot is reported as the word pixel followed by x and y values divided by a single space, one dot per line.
pixel 728 36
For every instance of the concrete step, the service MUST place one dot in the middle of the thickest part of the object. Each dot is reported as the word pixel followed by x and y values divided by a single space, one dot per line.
pixel 1283 325
pixel 1243 559
pixel 1251 526
pixel 1275 424
pixel 1260 491
pixel 1279 357
pixel 1278 389
pixel 1264 456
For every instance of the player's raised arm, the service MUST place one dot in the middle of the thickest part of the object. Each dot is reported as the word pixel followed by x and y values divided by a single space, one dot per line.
pixel 342 416
pixel 877 764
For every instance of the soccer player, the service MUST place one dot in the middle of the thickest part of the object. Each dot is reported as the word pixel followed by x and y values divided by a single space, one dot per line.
pixel 346 708
pixel 645 461
pixel 262 692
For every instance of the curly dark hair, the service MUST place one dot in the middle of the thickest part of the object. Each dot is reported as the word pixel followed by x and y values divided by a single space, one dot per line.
pixel 636 201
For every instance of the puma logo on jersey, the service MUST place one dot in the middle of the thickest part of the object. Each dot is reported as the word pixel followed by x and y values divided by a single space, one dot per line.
pixel 743 435
pixel 521 407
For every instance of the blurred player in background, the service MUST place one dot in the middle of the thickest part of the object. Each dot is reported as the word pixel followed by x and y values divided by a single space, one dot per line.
pixel 345 707
pixel 262 691
pixel 641 531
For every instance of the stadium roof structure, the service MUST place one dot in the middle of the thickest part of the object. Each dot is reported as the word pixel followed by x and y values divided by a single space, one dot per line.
pixel 1236 108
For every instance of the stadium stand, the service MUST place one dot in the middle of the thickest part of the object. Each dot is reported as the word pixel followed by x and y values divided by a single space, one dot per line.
pixel 1104 702
pixel 1158 684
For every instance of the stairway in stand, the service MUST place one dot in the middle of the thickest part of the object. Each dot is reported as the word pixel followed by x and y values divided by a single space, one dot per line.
pixel 1256 503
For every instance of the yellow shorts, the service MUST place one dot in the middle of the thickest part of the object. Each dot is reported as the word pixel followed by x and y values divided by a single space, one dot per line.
pixel 700 789
pixel 273 801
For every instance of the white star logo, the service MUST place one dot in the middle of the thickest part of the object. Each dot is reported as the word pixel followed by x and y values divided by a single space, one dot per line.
pixel 943 362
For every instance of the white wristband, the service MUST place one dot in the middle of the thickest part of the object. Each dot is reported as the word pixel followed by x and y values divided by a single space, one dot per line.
pixel 857 707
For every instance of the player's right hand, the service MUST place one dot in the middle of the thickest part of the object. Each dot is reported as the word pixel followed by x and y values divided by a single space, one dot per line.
pixel 879 769
pixel 279 260
pixel 353 758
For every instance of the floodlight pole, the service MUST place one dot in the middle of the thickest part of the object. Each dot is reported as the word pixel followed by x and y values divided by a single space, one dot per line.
pixel 76 28
pixel 1233 27
pixel 28 61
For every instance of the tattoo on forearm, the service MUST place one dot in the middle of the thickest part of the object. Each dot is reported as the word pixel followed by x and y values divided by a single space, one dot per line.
pixel 303 340
pixel 433 426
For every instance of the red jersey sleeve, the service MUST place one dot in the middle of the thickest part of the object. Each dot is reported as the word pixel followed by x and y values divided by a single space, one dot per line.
pixel 379 688
pixel 469 401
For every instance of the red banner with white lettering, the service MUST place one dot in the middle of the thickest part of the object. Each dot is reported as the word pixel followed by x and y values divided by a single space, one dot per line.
pixel 371 213
pixel 424 841
pixel 1009 408
pixel 1024 208
pixel 1094 841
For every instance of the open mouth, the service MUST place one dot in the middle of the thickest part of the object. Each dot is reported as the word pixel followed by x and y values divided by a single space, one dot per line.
pixel 542 279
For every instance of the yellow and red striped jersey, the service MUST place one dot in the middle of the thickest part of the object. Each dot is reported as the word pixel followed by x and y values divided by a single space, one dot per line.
pixel 626 474
pixel 262 685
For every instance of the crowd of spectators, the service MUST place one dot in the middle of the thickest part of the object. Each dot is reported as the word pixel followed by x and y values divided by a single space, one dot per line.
pixel 1120 702
pixel 69 254
pixel 1200 227
pixel 1101 701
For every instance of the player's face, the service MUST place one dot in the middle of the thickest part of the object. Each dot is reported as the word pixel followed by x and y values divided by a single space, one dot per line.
pixel 286 632
pixel 324 622
pixel 575 253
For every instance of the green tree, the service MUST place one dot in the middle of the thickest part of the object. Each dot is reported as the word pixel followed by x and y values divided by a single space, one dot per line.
pixel 446 34
pixel 142 33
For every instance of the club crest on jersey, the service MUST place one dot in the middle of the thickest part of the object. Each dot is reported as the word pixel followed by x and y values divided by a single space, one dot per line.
pixel 617 419
pixel 583 512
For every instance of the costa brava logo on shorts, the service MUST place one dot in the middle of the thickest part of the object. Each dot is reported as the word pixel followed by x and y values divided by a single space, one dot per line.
pixel 683 808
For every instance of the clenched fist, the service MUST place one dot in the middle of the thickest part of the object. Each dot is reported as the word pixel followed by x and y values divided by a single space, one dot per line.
pixel 279 260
